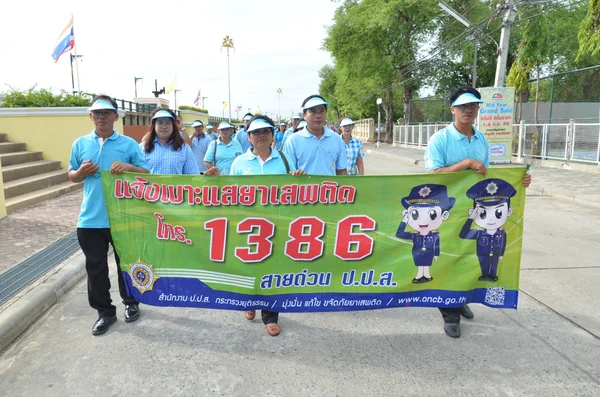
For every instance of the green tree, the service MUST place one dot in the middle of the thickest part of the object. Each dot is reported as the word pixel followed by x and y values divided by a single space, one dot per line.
pixel 374 45
pixel 589 31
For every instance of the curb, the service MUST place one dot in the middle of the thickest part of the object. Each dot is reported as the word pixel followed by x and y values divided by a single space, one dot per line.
pixel 28 306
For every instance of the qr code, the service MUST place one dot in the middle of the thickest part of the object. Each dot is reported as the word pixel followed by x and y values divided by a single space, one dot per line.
pixel 494 296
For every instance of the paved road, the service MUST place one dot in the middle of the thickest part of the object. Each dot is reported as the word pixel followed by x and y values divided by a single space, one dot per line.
pixel 549 347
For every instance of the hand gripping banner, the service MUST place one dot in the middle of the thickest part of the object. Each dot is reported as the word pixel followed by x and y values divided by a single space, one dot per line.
pixel 313 243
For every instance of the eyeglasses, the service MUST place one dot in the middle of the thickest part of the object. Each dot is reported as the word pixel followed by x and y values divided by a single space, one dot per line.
pixel 102 113
pixel 466 106
pixel 262 131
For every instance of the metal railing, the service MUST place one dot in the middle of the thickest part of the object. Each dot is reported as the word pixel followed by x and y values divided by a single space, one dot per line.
pixel 571 142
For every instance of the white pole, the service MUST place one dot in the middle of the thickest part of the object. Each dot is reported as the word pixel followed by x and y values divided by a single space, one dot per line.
pixel 76 57
pixel 229 85
pixel 509 18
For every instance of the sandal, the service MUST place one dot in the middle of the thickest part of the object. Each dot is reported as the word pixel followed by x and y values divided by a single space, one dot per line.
pixel 273 329
pixel 250 314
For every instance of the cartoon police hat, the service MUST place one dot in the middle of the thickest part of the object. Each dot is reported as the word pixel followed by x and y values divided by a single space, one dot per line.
pixel 197 123
pixel 101 104
pixel 492 191
pixel 224 125
pixel 429 195
pixel 347 121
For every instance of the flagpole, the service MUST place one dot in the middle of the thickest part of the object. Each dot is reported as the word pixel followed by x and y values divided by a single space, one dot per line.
pixel 75 56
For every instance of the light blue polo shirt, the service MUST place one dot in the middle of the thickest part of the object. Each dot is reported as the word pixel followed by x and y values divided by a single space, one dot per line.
pixel 166 161
pixel 448 147
pixel 250 164
pixel 279 138
pixel 115 148
pixel 317 156
pixel 225 154
pixel 199 147
pixel 286 135
pixel 242 138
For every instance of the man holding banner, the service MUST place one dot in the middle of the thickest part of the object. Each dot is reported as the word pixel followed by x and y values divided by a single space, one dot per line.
pixel 102 150
pixel 458 147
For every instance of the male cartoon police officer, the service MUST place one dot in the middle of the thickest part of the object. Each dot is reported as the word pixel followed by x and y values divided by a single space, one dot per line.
pixel 427 207
pixel 491 208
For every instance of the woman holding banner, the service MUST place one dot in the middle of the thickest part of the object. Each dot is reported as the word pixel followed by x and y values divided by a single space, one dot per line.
pixel 164 148
pixel 261 158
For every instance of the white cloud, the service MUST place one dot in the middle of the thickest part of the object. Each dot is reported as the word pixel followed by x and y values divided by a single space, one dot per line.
pixel 277 45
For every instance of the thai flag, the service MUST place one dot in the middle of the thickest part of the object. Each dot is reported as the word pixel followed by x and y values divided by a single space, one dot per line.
pixel 238 108
pixel 197 100
pixel 65 42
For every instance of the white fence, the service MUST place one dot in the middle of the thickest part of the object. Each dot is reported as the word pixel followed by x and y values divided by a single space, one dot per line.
pixel 576 142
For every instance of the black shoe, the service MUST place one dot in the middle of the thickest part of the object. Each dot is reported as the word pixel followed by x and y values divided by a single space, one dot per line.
pixel 103 324
pixel 483 278
pixel 132 312
pixel 452 329
pixel 466 312
pixel 417 280
pixel 493 278
pixel 426 279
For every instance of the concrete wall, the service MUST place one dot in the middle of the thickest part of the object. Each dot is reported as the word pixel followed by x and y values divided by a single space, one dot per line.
pixel 51 130
pixel 562 110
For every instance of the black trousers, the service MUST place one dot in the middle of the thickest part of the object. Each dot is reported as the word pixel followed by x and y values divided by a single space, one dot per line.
pixel 94 244
pixel 269 317
pixel 451 315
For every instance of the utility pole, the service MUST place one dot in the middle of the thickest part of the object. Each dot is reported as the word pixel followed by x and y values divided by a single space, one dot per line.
pixel 509 18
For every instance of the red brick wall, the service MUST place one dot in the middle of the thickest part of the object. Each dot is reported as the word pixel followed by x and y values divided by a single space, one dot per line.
pixel 135 131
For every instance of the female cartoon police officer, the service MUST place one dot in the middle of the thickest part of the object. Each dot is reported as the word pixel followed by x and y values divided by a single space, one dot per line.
pixel 427 207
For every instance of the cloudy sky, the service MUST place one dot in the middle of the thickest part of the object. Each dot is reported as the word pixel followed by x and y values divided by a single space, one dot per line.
pixel 277 45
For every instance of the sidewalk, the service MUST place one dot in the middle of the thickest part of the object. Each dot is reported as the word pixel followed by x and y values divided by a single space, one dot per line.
pixel 572 185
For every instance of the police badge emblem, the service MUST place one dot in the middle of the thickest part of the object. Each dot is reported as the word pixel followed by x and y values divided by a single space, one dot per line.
pixel 142 276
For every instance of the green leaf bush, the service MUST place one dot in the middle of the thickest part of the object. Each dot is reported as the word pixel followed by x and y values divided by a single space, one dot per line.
pixel 195 109
pixel 43 98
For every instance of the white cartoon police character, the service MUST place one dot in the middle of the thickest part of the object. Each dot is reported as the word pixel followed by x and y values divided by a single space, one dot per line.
pixel 427 207
pixel 491 208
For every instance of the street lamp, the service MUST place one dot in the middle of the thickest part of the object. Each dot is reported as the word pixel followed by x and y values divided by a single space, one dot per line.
pixel 228 43
pixel 379 101
pixel 135 80
pixel 279 92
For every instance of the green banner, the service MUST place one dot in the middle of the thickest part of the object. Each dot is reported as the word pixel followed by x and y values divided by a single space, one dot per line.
pixel 316 243
pixel 495 120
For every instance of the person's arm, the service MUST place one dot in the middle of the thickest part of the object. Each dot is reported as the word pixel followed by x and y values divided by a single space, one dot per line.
pixel 360 165
pixel 209 157
pixel 186 138
pixel 341 163
pixel 87 168
pixel 461 166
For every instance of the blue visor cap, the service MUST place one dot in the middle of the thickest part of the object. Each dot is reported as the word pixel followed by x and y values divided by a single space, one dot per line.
pixel 314 102
pixel 302 124
pixel 162 114
pixel 102 105
pixel 297 116
pixel 466 98
pixel 209 126
pixel 224 125
pixel 247 117
pixel 346 122
pixel 258 124
pixel 197 124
